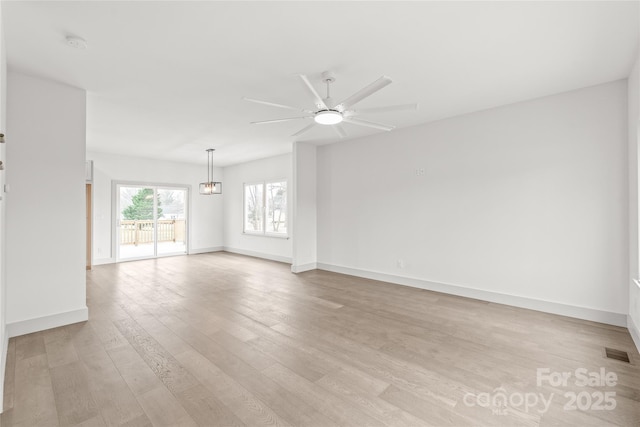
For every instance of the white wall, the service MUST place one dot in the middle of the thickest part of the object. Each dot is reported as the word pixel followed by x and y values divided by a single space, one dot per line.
pixel 634 219
pixel 523 204
pixel 273 168
pixel 205 226
pixel 4 337
pixel 45 212
pixel 304 207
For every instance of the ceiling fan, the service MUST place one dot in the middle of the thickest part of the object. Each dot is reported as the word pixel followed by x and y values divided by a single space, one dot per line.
pixel 333 114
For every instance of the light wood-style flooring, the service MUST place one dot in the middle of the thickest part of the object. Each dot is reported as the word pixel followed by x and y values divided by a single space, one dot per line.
pixel 226 340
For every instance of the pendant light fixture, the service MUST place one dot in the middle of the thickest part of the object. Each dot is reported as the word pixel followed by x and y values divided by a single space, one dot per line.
pixel 210 187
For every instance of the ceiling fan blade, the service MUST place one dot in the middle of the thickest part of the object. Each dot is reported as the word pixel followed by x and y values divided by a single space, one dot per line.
pixel 273 104
pixel 304 129
pixel 340 131
pixel 280 120
pixel 375 110
pixel 367 123
pixel 316 97
pixel 365 92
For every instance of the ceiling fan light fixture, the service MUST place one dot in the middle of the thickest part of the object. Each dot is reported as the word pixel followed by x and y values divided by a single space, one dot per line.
pixel 328 117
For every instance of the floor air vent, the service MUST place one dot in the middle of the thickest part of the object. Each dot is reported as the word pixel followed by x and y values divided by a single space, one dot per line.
pixel 616 354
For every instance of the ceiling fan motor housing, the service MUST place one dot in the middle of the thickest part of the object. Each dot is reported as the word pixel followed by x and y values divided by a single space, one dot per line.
pixel 328 117
pixel 328 77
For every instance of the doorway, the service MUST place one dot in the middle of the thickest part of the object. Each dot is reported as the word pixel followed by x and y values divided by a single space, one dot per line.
pixel 151 221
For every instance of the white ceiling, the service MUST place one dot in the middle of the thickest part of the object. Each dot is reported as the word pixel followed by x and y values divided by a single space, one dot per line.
pixel 165 79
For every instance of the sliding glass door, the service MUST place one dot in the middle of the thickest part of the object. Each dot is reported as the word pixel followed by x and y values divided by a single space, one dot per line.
pixel 172 221
pixel 152 221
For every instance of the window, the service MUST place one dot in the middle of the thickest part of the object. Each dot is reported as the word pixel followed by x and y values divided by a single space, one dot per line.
pixel 253 208
pixel 265 208
pixel 276 204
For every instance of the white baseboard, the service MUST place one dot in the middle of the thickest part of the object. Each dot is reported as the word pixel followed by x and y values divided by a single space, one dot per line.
pixel 611 318
pixel 23 327
pixel 103 261
pixel 634 330
pixel 206 250
pixel 304 267
pixel 271 257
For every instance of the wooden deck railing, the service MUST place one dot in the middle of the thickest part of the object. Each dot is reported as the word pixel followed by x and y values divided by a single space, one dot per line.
pixel 134 232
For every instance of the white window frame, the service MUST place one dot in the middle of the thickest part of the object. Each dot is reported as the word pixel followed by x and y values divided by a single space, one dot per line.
pixel 264 231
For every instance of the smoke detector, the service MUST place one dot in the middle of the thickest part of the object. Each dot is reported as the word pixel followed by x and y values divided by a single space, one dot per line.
pixel 76 42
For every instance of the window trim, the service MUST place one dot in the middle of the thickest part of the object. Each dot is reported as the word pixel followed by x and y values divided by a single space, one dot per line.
pixel 264 232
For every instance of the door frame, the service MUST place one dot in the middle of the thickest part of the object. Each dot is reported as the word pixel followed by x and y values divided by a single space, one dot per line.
pixel 89 225
pixel 115 216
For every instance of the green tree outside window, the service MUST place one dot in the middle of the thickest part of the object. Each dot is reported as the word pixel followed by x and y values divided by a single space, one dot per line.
pixel 141 206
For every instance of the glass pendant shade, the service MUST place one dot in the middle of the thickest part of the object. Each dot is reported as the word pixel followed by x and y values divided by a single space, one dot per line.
pixel 207 188
pixel 210 187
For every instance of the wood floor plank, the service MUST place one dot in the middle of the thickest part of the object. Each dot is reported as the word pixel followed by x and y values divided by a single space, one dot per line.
pixel 163 409
pixel 107 332
pixel 241 402
pixel 284 403
pixel 162 363
pixel 370 404
pixel 61 351
pixel 313 359
pixel 30 345
pixel 118 405
pixel 238 331
pixel 167 339
pixel 329 404
pixel 223 339
pixel 136 373
pixel 34 402
pixel 74 401
pixel 428 384
pixel 297 361
pixel 430 413
pixel 84 338
pixel 10 375
pixel 359 380
pixel 249 354
pixel 205 409
pixel 96 421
